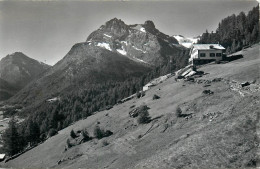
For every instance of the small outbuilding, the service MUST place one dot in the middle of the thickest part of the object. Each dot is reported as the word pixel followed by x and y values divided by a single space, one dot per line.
pixel 205 53
pixel 2 157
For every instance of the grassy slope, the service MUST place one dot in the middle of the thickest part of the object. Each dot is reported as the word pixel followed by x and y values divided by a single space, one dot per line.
pixel 224 138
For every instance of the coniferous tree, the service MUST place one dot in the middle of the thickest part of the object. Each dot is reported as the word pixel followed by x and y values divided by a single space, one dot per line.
pixel 12 141
pixel 32 132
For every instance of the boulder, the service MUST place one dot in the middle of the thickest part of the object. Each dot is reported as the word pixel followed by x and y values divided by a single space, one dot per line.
pixel 245 84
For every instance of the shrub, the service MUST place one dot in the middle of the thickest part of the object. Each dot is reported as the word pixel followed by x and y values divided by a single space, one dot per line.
pixel 100 133
pixel 156 97
pixel 52 132
pixel 144 117
pixel 178 111
pixel 85 135
pixel 73 134
pixel 108 133
pixel 209 92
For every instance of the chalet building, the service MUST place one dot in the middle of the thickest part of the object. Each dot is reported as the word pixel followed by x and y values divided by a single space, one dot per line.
pixel 205 53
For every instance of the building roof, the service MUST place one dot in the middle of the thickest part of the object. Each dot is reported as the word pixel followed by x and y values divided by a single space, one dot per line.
pixel 2 156
pixel 207 46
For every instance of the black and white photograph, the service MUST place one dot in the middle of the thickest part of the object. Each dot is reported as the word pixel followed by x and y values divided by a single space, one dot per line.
pixel 122 84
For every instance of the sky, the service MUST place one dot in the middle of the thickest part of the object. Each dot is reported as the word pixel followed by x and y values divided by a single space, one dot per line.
pixel 46 30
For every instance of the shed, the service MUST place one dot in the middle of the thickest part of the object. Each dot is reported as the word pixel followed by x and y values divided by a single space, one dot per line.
pixel 2 157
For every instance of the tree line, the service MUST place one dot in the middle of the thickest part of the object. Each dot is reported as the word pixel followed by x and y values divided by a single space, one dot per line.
pixel 235 32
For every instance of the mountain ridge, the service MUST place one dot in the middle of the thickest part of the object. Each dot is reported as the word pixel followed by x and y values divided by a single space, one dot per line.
pixel 140 42
pixel 18 70
pixel 131 52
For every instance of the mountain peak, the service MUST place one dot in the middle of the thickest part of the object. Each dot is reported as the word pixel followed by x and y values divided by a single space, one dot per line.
pixel 115 21
pixel 17 54
pixel 149 24
pixel 19 69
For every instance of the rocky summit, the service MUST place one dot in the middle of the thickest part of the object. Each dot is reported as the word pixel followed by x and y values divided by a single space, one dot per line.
pixel 140 42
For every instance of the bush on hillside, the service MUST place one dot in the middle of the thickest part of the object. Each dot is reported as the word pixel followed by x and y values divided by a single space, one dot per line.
pixel 85 135
pixel 100 133
pixel 155 97
pixel 178 112
pixel 73 134
pixel 143 117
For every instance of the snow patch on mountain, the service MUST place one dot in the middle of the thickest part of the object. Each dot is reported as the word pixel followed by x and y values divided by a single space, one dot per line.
pixel 139 49
pixel 107 35
pixel 142 29
pixel 122 51
pixel 53 99
pixel 104 45
pixel 186 42
pixel 140 60
pixel 125 42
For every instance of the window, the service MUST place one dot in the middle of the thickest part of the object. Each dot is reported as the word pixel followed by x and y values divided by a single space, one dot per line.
pixel 218 54
pixel 212 54
pixel 202 54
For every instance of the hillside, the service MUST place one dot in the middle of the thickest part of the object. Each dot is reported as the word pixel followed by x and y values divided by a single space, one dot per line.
pixel 6 90
pixel 218 130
